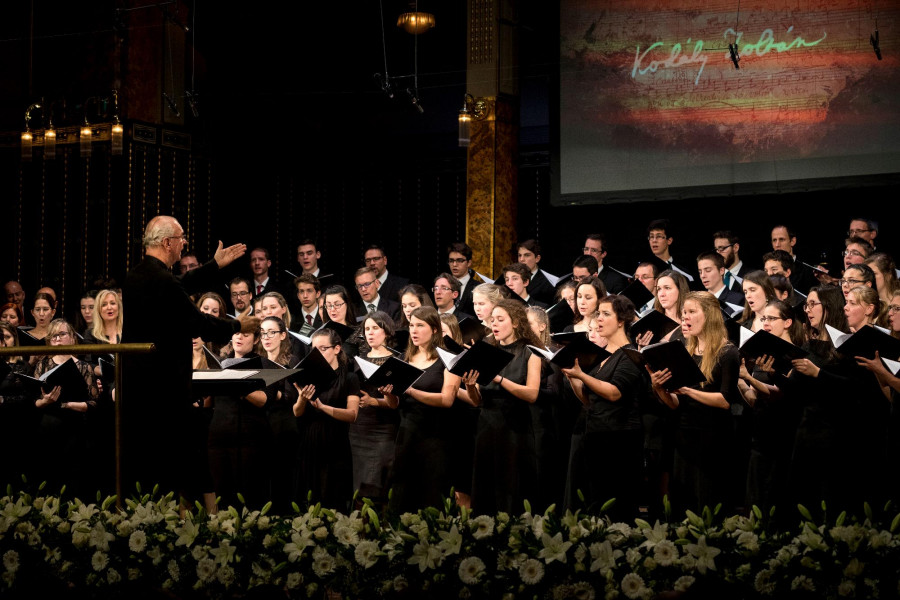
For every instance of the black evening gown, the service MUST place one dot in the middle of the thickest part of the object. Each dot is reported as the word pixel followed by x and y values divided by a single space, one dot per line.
pixel 608 444
pixel 551 462
pixel 505 471
pixel 703 441
pixel 325 463
pixel 422 474
pixel 372 439
pixel 285 439
pixel 239 444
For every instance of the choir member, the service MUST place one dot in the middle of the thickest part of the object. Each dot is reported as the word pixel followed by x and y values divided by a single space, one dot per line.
pixel 606 459
pixel 339 309
pixel 587 297
pixel 758 292
pixel 856 275
pixel 213 304
pixel 700 475
pixel 308 291
pixel 107 319
pixel 62 439
pixel 43 311
pixel 505 470
pixel 17 418
pixel 12 314
pixel 566 291
pixel 886 282
pixel 412 297
pixel 529 254
pixel 325 470
pixel 484 298
pixel 423 462
pixel 373 433
pixel 84 320
pixel 597 246
pixel 239 440
pixel 824 306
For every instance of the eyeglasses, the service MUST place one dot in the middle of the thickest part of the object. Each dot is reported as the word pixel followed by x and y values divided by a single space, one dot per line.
pixel 723 248
pixel 765 319
pixel 893 308
pixel 372 259
pixel 456 261
pixel 324 348
pixel 853 253
pixel 269 334
pixel 239 294
pixel 334 305
pixel 362 286
pixel 587 250
pixel 656 236
pixel 59 336
pixel 856 232
pixel 811 304
pixel 440 288
pixel 851 281
pixel 644 277
pixel 177 237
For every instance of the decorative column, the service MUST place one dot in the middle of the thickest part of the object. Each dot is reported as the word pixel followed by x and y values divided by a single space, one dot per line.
pixel 492 160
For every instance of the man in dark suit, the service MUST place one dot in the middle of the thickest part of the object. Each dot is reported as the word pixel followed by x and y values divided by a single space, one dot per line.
pixel 390 284
pixel 445 291
pixel 529 254
pixel 367 285
pixel 517 278
pixel 728 245
pixel 307 319
pixel 156 389
pixel 711 267
pixel 596 245
pixel 802 277
pixel 459 259
pixel 262 280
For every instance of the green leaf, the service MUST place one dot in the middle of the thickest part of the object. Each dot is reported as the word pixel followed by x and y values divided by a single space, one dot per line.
pixel 295 507
pixel 137 486
pixel 717 509
pixel 772 512
pixel 804 512
pixel 607 505
pixel 198 505
pixel 155 490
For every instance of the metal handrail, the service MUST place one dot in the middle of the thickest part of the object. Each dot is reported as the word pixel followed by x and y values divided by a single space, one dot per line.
pixel 93 349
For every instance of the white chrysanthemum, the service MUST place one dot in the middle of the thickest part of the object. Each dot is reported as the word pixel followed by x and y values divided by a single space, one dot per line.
pixel 632 585
pixel 137 542
pixel 482 526
pixel 345 534
pixel 531 571
pixel 665 553
pixel 323 562
pixel 802 582
pixel 206 569
pixel 748 540
pixel 683 583
pixel 320 533
pixel 11 561
pixel 471 569
pixel 366 553
pixel 99 560
pixel 620 529
pixel 225 575
pixel 293 580
pixel 582 590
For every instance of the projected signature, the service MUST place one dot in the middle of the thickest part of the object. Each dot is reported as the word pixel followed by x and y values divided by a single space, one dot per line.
pixel 679 56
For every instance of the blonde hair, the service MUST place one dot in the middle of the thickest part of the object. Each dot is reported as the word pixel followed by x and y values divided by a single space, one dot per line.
pixel 714 334
pixel 97 326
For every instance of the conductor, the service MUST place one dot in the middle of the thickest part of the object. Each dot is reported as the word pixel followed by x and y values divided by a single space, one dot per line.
pixel 157 386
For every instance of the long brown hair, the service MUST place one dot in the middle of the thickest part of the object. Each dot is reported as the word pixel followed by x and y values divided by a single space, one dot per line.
pixel 715 336
pixel 521 326
pixel 284 349
pixel 681 283
pixel 433 320
pixel 760 278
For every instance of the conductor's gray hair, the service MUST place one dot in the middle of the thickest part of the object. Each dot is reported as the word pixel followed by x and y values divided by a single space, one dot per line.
pixel 158 229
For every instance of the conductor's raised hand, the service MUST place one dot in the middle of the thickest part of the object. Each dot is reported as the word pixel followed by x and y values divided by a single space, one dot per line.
pixel 226 256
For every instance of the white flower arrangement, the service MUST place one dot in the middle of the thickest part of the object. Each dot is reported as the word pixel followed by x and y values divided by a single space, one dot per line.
pixel 443 552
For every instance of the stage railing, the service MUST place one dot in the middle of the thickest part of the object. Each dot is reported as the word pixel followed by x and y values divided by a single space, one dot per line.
pixel 83 349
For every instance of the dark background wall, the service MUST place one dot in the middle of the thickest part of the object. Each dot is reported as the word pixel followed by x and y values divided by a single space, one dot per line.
pixel 294 139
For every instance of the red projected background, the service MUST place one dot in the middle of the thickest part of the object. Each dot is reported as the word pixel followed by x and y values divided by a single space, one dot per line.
pixel 652 105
